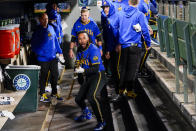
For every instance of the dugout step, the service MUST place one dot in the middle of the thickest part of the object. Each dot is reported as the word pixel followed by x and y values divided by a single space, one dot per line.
pixel 159 62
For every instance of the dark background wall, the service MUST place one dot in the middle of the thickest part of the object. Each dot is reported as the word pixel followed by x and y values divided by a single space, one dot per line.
pixel 15 9
pixel 24 9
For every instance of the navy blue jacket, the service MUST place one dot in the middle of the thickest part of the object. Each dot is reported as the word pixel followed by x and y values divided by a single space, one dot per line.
pixel 110 34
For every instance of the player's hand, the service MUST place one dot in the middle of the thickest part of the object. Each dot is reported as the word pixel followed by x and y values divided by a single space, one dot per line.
pixel 107 55
pixel 118 48
pixel 79 70
pixel 150 30
pixel 148 48
pixel 71 53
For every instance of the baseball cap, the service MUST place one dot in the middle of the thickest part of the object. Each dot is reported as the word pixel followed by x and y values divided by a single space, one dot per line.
pixel 85 8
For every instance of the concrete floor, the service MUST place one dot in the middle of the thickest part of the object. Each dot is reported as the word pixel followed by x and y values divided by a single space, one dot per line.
pixel 65 112
pixel 59 117
pixel 26 122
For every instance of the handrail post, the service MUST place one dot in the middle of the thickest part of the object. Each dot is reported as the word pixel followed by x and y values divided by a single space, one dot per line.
pixel 167 44
pixel 195 90
pixel 193 39
pixel 160 34
pixel 185 83
pixel 177 78
pixel 188 48
pixel 177 57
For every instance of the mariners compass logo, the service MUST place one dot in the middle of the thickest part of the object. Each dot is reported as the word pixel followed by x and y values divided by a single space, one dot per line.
pixel 21 82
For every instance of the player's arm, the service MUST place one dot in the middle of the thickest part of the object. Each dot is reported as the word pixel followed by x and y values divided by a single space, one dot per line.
pixel 73 42
pixel 99 41
pixel 145 31
pixel 97 34
pixel 71 46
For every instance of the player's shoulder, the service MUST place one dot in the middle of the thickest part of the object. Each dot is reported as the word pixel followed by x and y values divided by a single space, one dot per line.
pixel 78 21
pixel 93 47
pixel 92 22
pixel 50 28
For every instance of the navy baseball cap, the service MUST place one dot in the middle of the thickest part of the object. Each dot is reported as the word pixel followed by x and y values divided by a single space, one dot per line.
pixel 85 8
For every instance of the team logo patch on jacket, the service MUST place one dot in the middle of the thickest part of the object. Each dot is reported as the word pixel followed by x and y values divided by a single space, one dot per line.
pixel 49 34
pixel 119 8
pixel 95 58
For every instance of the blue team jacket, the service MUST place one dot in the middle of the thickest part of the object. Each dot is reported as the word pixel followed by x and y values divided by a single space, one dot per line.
pixel 127 34
pixel 91 27
pixel 154 3
pixel 110 34
pixel 60 26
pixel 153 9
pixel 144 8
pixel 44 43
pixel 119 6
pixel 90 57
pixel 53 15
pixel 57 31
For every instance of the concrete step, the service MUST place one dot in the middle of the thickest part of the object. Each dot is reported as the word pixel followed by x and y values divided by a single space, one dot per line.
pixel 169 63
pixel 167 80
pixel 117 118
pixel 138 114
pixel 165 109
pixel 164 70
pixel 139 118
